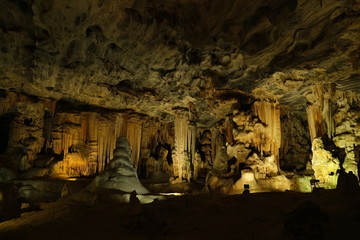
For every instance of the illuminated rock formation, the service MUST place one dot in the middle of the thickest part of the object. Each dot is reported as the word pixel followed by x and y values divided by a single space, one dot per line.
pixel 88 133
pixel 120 174
pixel 324 165
pixel 333 113
pixel 268 136
pixel 347 133
pixel 320 113
pixel 184 153
pixel 235 91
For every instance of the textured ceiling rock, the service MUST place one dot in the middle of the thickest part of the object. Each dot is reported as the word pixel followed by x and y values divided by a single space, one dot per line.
pixel 154 56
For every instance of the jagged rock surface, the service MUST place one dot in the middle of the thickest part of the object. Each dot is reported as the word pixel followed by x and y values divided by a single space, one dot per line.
pixel 151 56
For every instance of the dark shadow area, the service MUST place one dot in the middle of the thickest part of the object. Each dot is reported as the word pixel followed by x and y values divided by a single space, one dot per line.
pixel 5 122
pixel 336 152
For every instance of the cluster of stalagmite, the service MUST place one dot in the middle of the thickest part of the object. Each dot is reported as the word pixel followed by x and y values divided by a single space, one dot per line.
pixel 256 143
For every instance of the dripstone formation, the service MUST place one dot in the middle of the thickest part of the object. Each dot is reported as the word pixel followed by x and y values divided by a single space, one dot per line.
pixel 120 174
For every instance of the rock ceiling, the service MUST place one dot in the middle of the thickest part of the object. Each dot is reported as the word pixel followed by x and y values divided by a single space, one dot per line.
pixel 156 57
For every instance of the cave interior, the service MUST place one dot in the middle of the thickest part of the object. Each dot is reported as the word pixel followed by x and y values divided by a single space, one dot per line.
pixel 179 119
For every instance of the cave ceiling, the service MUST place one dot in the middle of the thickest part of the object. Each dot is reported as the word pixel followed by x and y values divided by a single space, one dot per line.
pixel 159 57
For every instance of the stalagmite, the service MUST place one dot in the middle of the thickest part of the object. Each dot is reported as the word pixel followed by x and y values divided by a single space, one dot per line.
pixel 120 178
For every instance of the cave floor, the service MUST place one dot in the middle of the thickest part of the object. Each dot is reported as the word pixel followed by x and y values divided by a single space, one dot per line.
pixel 204 216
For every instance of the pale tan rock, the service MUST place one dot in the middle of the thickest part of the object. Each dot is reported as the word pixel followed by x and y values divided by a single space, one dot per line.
pixel 324 165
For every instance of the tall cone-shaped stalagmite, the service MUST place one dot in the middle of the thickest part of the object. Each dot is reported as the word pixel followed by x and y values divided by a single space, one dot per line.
pixel 121 173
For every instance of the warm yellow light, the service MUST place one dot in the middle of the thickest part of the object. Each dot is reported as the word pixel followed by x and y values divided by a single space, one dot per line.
pixel 172 194
pixel 71 179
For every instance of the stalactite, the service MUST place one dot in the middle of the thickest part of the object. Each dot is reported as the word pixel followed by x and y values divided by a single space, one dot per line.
pixel 150 134
pixel 96 132
pixel 67 130
pixel 228 125
pixel 132 130
pixel 328 109
pixel 215 132
pixel 320 112
pixel 315 121
pixel 192 145
pixel 166 133
pixel 268 138
pixel 184 155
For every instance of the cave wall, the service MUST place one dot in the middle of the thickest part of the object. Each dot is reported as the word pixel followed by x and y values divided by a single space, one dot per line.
pixel 81 141
pixel 258 142
pixel 25 134
pixel 333 117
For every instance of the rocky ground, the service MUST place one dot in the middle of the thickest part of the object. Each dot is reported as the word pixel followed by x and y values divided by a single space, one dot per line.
pixel 320 215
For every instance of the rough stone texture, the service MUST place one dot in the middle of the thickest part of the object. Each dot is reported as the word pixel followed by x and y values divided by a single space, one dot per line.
pixel 295 147
pixel 25 131
pixel 6 174
pixel 324 165
pixel 9 201
pixel 175 52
